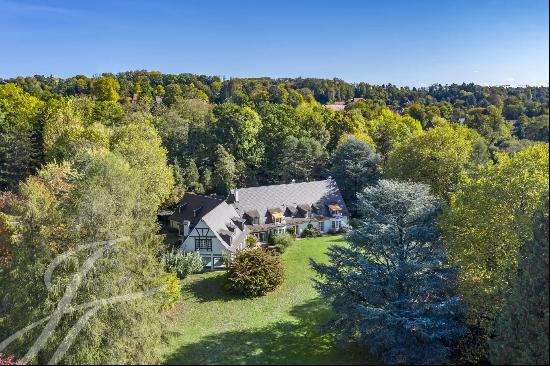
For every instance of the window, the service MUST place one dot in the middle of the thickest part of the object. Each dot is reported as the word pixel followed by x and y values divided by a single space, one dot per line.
pixel 203 244
pixel 336 225
pixel 255 220
pixel 322 226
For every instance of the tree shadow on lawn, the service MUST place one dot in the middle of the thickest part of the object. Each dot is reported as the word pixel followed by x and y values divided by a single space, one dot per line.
pixel 210 288
pixel 290 342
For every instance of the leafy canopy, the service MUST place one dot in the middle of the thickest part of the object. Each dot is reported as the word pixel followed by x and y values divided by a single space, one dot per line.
pixel 490 216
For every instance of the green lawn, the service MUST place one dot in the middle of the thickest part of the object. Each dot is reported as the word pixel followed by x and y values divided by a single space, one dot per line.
pixel 210 326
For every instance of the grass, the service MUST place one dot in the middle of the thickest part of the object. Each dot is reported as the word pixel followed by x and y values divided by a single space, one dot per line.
pixel 211 326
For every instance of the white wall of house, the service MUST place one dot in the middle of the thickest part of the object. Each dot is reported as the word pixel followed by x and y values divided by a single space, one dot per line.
pixel 325 225
pixel 189 243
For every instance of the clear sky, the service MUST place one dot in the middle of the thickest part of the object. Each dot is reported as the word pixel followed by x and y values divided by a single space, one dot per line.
pixel 409 42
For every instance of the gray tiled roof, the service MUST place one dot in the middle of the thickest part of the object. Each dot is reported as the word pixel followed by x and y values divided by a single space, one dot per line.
pixel 282 196
pixel 193 207
pixel 218 218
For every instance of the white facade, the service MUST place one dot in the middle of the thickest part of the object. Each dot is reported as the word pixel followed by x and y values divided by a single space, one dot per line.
pixel 325 226
pixel 211 247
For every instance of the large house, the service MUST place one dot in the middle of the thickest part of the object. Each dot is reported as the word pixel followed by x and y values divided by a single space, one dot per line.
pixel 218 228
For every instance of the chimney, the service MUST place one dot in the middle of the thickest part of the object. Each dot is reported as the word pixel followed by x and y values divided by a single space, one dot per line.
pixel 186 227
pixel 236 195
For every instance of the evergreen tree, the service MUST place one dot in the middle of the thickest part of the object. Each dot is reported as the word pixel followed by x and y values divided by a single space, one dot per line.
pixel 522 328
pixel 354 166
pixel 225 171
pixel 299 159
pixel 392 286
pixel 191 177
pixel 19 158
pixel 207 182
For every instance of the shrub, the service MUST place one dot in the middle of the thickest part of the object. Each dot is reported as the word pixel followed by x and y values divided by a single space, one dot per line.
pixel 172 290
pixel 311 232
pixel 251 241
pixel 182 264
pixel 281 242
pixel 254 272
pixel 292 231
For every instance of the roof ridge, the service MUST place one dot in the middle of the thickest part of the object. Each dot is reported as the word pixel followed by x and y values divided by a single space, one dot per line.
pixel 287 184
pixel 203 195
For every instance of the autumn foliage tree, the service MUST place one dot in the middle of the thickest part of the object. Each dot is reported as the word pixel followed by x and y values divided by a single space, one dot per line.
pixel 489 218
pixel 436 157
pixel 521 331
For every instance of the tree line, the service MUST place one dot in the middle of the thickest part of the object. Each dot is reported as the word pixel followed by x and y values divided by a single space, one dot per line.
pixel 90 159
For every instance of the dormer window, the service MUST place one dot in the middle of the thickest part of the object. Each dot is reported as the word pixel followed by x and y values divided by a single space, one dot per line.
pixel 253 216
pixel 305 210
pixel 277 217
pixel 335 209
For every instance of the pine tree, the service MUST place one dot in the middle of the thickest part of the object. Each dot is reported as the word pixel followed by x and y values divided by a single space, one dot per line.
pixel 522 328
pixel 391 286
pixel 19 158
pixel 225 171
pixel 191 177
pixel 207 180
pixel 354 166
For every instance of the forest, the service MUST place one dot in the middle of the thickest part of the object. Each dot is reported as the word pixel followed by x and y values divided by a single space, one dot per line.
pixel 87 159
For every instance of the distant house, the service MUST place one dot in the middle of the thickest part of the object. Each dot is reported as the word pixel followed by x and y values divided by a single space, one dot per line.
pixel 218 228
pixel 336 106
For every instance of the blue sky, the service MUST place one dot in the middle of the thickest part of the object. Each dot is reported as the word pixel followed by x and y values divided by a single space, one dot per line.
pixel 415 42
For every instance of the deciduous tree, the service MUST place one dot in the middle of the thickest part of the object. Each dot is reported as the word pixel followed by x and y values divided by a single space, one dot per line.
pixel 436 157
pixel 490 216
pixel 522 327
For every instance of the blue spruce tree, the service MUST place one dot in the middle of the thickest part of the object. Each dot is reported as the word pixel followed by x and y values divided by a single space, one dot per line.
pixel 392 286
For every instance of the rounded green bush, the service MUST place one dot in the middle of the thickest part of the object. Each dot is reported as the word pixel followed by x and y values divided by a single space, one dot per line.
pixel 311 232
pixel 254 272
pixel 281 242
